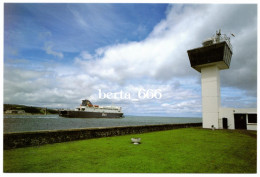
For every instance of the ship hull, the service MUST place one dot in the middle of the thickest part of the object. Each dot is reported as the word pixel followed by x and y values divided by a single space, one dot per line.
pixel 85 114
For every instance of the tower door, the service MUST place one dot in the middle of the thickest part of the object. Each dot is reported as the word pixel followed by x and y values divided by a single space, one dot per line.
pixel 225 123
pixel 240 121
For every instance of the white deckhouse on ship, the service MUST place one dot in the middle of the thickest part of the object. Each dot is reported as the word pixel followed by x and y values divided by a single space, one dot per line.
pixel 88 110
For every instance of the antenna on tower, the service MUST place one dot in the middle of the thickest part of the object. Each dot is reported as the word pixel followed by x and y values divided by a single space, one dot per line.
pixel 218 32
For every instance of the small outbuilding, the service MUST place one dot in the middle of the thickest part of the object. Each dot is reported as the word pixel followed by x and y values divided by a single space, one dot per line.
pixel 234 118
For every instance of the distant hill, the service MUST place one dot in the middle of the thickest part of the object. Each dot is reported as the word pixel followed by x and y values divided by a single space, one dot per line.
pixel 29 109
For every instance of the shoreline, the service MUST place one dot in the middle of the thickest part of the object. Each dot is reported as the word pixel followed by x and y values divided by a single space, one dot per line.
pixel 39 123
pixel 31 114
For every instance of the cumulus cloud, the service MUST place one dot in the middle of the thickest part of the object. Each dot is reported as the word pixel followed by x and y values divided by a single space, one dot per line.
pixel 163 54
pixel 243 70
pixel 160 61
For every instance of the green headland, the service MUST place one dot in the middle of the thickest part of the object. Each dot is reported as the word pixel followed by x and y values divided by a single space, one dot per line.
pixel 29 109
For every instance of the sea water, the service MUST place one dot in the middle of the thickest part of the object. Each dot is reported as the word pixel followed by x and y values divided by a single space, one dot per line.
pixel 22 123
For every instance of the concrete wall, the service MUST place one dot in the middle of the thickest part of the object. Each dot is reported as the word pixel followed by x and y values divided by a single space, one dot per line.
pixel 25 139
pixel 251 126
pixel 229 114
pixel 210 89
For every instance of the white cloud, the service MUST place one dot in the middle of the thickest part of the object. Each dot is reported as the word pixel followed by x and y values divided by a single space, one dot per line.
pixel 50 51
pixel 163 54
pixel 158 62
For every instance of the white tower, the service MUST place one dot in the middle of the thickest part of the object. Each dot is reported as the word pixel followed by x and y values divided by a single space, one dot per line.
pixel 214 55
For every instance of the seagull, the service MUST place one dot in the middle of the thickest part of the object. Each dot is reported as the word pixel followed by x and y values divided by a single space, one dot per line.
pixel 232 34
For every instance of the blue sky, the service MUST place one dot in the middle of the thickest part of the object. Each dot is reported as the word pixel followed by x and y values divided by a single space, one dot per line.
pixel 57 54
pixel 71 28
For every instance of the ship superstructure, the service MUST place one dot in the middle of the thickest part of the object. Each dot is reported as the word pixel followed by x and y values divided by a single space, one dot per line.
pixel 88 110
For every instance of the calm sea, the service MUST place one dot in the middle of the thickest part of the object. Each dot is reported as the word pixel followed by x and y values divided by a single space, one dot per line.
pixel 21 123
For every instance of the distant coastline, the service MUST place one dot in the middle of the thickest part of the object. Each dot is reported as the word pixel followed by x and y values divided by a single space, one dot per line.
pixel 27 110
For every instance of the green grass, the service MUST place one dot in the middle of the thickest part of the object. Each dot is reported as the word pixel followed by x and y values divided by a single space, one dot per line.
pixel 188 150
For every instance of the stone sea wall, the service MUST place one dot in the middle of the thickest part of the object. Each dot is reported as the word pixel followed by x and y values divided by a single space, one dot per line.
pixel 26 139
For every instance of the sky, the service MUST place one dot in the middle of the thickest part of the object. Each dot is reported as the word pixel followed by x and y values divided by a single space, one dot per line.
pixel 57 54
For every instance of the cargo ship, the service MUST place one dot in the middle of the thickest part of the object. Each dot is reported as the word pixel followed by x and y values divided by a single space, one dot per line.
pixel 88 110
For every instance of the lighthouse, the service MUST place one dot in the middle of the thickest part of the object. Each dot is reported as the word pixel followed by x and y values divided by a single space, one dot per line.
pixel 214 55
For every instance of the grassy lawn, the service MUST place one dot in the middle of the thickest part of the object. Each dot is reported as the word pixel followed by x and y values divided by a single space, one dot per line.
pixel 188 150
